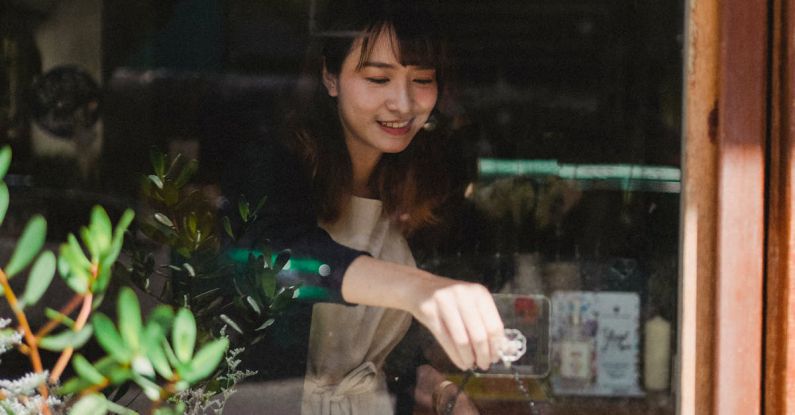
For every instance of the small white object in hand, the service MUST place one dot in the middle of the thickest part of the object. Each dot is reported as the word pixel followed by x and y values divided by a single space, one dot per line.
pixel 514 347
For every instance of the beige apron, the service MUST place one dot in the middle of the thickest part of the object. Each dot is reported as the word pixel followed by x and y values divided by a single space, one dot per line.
pixel 348 344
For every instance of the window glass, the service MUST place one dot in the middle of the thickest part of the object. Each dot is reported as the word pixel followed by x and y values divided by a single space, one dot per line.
pixel 561 124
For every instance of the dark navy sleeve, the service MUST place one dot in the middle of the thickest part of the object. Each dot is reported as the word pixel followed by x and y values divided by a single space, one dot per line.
pixel 288 220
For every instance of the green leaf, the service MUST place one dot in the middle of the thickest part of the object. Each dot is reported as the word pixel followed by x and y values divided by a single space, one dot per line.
pixel 183 337
pixel 118 234
pixel 189 268
pixel 206 360
pixel 156 180
pixel 39 278
pixel 154 351
pixel 65 339
pixel 103 276
pixel 228 227
pixel 74 266
pixel 3 201
pixel 253 304
pixel 129 313
pixel 118 409
pixel 187 172
pixel 151 389
pixel 5 160
pixel 101 229
pixel 165 410
pixel 281 260
pixel 243 207
pixel 76 252
pixel 173 164
pixel 86 370
pixel 161 316
pixel 268 281
pixel 117 372
pixel 158 160
pixel 94 404
pixel 7 408
pixel 172 358
pixel 28 245
pixel 73 385
pixel 142 366
pixel 164 220
pixel 231 323
pixel 88 241
pixel 56 315
pixel 109 338
pixel 265 325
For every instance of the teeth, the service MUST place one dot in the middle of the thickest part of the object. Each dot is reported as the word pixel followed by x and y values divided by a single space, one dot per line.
pixel 394 124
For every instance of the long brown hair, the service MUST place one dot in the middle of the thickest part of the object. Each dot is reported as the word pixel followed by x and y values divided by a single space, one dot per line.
pixel 411 184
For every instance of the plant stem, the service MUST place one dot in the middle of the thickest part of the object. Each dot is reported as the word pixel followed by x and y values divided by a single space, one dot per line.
pixel 82 318
pixel 30 339
pixel 66 310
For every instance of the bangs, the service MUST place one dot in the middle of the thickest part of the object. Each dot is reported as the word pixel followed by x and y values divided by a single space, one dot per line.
pixel 412 47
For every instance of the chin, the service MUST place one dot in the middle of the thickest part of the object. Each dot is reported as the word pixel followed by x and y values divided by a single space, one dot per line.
pixel 394 148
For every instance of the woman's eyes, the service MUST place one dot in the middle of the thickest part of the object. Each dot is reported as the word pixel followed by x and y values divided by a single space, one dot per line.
pixel 381 81
pixel 378 80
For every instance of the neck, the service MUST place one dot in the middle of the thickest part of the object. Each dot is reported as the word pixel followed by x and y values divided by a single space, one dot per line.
pixel 363 162
pixel 362 172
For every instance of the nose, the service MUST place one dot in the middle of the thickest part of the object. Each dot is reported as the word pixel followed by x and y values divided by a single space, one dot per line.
pixel 400 99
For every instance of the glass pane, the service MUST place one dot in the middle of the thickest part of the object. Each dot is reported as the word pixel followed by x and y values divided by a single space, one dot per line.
pixel 560 125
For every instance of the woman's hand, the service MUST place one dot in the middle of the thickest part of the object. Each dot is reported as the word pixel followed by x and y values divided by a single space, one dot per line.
pixel 463 319
pixel 460 315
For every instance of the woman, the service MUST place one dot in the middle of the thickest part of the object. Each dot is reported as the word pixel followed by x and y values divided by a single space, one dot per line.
pixel 371 178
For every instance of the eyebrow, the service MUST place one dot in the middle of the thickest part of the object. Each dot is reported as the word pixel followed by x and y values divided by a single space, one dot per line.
pixel 378 65
pixel 384 65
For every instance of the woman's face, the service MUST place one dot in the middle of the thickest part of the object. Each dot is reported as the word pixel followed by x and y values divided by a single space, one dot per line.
pixel 383 104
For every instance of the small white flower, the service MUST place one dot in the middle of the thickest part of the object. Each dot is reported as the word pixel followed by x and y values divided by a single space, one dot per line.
pixel 26 385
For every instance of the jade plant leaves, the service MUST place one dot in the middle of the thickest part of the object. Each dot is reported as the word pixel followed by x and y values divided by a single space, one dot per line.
pixel 65 339
pixel 86 370
pixel 5 160
pixel 39 278
pixel 129 312
pixel 28 245
pixel 100 229
pixel 183 337
pixel 94 404
pixel 110 339
pixel 3 201
pixel 205 361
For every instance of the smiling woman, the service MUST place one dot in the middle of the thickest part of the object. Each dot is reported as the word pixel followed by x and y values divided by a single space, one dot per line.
pixel 358 173
pixel 382 103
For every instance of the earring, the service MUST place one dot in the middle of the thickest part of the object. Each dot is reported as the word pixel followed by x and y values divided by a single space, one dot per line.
pixel 431 124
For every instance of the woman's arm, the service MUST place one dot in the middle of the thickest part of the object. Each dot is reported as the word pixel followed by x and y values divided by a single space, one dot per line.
pixel 460 315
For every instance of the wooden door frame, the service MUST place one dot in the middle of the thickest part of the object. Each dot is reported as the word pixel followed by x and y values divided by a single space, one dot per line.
pixel 723 207
pixel 780 296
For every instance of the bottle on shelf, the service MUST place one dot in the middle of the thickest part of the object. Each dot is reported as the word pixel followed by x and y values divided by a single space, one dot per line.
pixel 576 353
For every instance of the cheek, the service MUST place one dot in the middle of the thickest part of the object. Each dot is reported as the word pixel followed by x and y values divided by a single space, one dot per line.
pixel 426 99
pixel 356 95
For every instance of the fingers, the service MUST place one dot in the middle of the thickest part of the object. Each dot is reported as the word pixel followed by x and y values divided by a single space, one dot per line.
pixel 443 336
pixel 494 328
pixel 454 321
pixel 466 323
pixel 478 341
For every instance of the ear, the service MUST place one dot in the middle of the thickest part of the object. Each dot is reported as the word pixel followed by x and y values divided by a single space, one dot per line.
pixel 330 82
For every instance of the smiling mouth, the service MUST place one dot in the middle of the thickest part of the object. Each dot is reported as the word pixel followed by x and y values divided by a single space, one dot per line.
pixel 395 124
